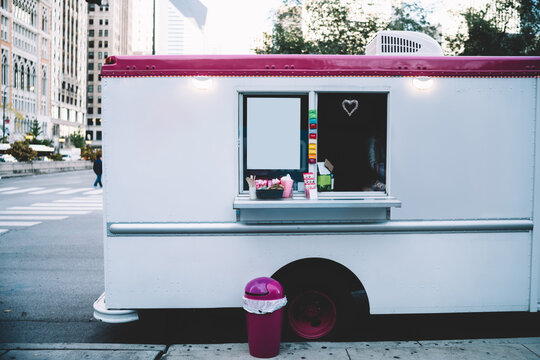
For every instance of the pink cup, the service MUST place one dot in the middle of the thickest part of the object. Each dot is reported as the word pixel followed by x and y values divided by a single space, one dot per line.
pixel 287 186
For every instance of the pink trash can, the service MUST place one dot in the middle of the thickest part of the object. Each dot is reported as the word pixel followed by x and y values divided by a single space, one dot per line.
pixel 264 301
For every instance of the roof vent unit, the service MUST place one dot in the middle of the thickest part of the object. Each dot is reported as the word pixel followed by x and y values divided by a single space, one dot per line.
pixel 403 43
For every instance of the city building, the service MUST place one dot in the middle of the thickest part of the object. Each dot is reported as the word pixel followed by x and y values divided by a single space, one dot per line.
pixel 109 24
pixel 68 69
pixel 25 75
pixel 142 27
pixel 176 33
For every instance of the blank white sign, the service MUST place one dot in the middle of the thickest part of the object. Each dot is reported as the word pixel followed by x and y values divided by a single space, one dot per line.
pixel 273 133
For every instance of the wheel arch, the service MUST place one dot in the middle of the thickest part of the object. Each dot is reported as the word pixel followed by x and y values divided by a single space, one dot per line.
pixel 328 271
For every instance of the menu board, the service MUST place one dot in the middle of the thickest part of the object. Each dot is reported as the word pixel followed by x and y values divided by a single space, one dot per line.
pixel 273 133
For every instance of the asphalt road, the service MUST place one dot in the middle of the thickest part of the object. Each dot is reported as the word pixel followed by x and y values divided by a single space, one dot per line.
pixel 51 271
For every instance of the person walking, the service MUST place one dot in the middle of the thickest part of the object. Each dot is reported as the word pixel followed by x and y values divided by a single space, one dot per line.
pixel 98 170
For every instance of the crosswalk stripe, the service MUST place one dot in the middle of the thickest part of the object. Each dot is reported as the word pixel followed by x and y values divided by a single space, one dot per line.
pixel 76 208
pixel 72 191
pixel 41 190
pixel 44 212
pixel 19 191
pixel 94 192
pixel 19 223
pixel 66 204
pixel 47 191
pixel 78 201
pixel 32 217
pixel 87 198
pixel 7 188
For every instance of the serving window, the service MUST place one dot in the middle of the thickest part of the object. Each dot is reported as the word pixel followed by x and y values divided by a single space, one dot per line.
pixel 275 134
pixel 351 136
pixel 339 139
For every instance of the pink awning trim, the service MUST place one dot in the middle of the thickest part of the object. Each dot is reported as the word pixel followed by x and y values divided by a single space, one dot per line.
pixel 321 65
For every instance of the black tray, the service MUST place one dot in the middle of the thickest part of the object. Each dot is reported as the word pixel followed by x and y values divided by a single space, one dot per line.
pixel 269 194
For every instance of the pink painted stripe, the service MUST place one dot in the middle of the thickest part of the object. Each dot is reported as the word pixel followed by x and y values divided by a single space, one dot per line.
pixel 321 65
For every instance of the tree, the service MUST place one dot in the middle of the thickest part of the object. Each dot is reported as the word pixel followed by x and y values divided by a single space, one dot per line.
pixel 334 29
pixel 46 142
pixel 55 157
pixel 21 151
pixel 411 17
pixel 35 129
pixel 287 36
pixel 331 29
pixel 488 31
pixel 77 139
pixel 90 153
pixel 529 15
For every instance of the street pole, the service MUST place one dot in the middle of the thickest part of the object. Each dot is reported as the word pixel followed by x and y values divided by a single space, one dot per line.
pixel 154 27
pixel 4 117
pixel 4 99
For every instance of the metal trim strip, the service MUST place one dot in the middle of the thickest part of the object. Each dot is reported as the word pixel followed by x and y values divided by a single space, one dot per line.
pixel 145 229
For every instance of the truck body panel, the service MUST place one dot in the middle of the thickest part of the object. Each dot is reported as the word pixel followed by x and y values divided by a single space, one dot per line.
pixel 456 230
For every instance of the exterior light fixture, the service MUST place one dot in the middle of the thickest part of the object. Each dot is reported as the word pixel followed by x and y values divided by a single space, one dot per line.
pixel 62 140
pixel 202 82
pixel 29 137
pixel 88 142
pixel 422 82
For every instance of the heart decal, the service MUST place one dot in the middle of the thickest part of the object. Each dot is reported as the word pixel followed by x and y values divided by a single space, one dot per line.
pixel 350 106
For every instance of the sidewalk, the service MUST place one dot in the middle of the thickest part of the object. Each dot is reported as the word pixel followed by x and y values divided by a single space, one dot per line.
pixel 510 349
pixel 9 170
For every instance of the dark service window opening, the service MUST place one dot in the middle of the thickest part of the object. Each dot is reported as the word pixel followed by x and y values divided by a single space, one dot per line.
pixel 352 136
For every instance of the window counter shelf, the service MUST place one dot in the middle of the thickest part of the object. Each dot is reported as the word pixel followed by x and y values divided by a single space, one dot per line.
pixel 325 208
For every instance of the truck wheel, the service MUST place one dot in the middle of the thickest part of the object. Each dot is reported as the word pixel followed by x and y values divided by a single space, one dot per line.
pixel 312 314
pixel 325 299
pixel 317 312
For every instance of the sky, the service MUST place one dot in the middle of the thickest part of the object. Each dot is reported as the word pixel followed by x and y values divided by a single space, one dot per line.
pixel 233 26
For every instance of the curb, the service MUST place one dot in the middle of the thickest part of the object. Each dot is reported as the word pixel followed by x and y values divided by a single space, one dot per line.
pixel 475 349
pixel 82 346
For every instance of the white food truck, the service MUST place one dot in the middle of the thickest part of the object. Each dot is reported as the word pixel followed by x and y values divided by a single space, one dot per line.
pixel 427 172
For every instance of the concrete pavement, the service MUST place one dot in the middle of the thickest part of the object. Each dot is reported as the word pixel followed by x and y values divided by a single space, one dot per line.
pixel 493 349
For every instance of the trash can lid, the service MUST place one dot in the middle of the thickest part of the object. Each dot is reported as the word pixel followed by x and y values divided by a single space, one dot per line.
pixel 264 288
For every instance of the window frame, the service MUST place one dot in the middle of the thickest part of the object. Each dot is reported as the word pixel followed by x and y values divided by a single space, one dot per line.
pixel 296 174
pixel 346 90
pixel 313 92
